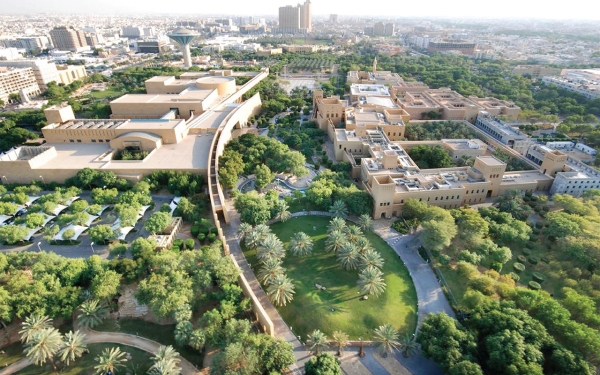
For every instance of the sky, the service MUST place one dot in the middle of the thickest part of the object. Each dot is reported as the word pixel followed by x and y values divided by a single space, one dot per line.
pixel 486 9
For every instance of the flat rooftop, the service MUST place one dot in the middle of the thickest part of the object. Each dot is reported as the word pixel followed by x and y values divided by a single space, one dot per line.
pixel 133 124
pixel 214 119
pixel 369 90
pixel 188 95
pixel 490 160
pixel 515 178
pixel 502 127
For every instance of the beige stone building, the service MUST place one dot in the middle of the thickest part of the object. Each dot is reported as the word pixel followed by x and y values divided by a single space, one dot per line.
pixel 67 38
pixel 169 140
pixel 17 80
pixel 536 71
pixel 46 72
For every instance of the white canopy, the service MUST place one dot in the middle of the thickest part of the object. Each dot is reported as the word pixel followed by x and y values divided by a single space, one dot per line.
pixel 142 211
pixel 3 219
pixel 124 232
pixel 70 201
pixel 31 200
pixel 47 219
pixel 102 208
pixel 31 232
pixel 59 208
pixel 91 219
pixel 77 228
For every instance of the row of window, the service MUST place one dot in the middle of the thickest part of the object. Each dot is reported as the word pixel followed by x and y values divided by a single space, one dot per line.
pixel 93 140
pixel 332 116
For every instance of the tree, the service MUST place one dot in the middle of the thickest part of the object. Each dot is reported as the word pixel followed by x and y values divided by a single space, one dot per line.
pixel 336 224
pixel 8 208
pixel 12 234
pixel 317 341
pixel 370 281
pixel 370 258
pixel 253 208
pixel 270 269
pixel 263 175
pixel 414 209
pixel 104 196
pixel 354 233
pixel 166 362
pixel 437 234
pixel 105 284
pixel 281 291
pixel 78 206
pixel 512 202
pixel 301 244
pixel 197 339
pixel 244 230
pixel 408 345
pixel 324 364
pixel 109 360
pixel 236 358
pixel 341 340
pixel 32 324
pixel 73 346
pixel 335 241
pixel 91 313
pixel 183 332
pixel 102 233
pixel 34 220
pixel 271 247
pixel 338 209
pixel 42 345
pixel 68 234
pixel 157 222
pixel 348 256
pixel 365 223
pixel 386 338
pixel 283 213
pixel 430 157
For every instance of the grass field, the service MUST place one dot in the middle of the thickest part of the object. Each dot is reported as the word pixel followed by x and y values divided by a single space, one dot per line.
pixel 311 308
pixel 105 94
pixel 163 334
pixel 139 364
pixel 12 353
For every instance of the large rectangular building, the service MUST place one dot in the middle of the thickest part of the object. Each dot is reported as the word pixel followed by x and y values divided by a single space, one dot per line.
pixel 295 19
pixel 16 80
pixel 46 72
pixel 68 38
pixel 464 47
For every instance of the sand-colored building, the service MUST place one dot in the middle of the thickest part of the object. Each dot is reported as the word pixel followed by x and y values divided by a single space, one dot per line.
pixel 536 71
pixel 169 139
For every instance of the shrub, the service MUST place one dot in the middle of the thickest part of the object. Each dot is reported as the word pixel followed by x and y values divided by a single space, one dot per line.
pixel 519 267
pixel 204 229
pixel 538 276
pixel 117 249
pixel 175 249
pixel 539 225
pixel 533 285
pixel 470 257
pixel 533 260
pixel 201 237
pixel 514 276
pixel 496 266
pixel 400 227
pixel 467 270
pixel 570 283
pixel 526 252
pixel 211 237
pixel 214 230
pixel 195 230
pixel 483 284
pixel 545 259
pixel 190 244
pixel 444 259
pixel 529 245
pixel 522 258
pixel 165 208
pixel 178 242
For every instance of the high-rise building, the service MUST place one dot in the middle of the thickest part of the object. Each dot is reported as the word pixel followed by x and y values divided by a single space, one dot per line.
pixel 383 29
pixel 132 32
pixel 67 38
pixel 15 80
pixel 295 19
pixel 333 18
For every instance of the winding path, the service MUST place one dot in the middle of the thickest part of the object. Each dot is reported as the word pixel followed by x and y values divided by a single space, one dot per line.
pixel 94 337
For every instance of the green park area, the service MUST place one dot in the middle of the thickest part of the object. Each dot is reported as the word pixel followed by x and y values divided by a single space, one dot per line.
pixel 340 306
pixel 106 94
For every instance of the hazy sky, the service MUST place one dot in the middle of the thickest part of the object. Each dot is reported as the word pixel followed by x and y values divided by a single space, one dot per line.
pixel 546 9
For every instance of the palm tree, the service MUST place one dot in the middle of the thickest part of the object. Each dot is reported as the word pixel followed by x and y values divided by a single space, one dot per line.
pixel 354 233
pixel 317 341
pixel 271 268
pixel 109 360
pixel 370 281
pixel 365 223
pixel 301 244
pixel 42 345
pixel 341 340
pixel 338 209
pixel 371 258
pixel 283 212
pixel 92 313
pixel 335 241
pixel 271 247
pixel 32 324
pixel 348 256
pixel 197 339
pixel 73 346
pixel 408 345
pixel 263 231
pixel 281 291
pixel 253 239
pixel 386 338
pixel 244 230
pixel 363 245
pixel 183 331
pixel 166 362
pixel 337 223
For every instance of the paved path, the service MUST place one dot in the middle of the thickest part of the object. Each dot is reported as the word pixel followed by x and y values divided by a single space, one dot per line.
pixel 94 337
pixel 431 298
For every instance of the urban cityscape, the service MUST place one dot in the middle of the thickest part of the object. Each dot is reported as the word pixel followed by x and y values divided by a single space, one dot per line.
pixel 317 188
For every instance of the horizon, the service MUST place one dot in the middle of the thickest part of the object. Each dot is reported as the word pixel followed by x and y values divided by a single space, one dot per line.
pixel 436 9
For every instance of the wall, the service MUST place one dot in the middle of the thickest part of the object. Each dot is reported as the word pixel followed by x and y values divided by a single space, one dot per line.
pixel 259 311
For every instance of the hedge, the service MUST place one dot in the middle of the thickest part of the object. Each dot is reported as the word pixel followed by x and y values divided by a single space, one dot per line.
pixel 522 258
pixel 514 276
pixel 538 277
pixel 535 286
pixel 533 260
pixel 526 252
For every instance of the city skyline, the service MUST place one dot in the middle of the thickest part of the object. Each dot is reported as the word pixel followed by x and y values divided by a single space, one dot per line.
pixel 578 9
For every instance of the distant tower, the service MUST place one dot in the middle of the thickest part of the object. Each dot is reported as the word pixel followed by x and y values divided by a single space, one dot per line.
pixel 375 65
pixel 184 37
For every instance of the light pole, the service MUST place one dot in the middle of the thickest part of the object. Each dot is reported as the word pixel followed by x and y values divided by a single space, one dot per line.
pixel 43 181
pixel 39 248
pixel 92 246
pixel 361 353
pixel 5 180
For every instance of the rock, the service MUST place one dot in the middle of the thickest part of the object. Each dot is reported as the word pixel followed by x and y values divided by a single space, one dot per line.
pixel 365 297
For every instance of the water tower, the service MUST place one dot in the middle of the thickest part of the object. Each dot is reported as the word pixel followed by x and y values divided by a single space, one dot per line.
pixel 184 37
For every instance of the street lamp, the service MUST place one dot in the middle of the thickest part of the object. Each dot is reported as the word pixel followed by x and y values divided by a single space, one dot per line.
pixel 361 353
pixel 92 246
pixel 43 181
pixel 4 179
pixel 39 248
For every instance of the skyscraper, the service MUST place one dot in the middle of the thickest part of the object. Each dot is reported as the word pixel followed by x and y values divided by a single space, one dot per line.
pixel 67 38
pixel 295 19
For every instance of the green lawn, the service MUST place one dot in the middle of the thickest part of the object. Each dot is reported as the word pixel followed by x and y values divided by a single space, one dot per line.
pixel 163 334
pixel 105 94
pixel 139 364
pixel 12 353
pixel 311 308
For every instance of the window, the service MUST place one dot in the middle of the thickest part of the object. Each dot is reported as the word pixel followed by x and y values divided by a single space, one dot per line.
pixel 402 201
pixel 71 140
pixel 428 199
pixel 79 141
pixel 441 198
pixel 93 141
pixel 436 198
pixel 453 197
pixel 108 140
pixel 101 140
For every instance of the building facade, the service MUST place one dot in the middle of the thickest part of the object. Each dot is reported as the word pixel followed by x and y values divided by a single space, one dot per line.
pixel 295 19
pixel 466 48
pixel 17 80
pixel 68 38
